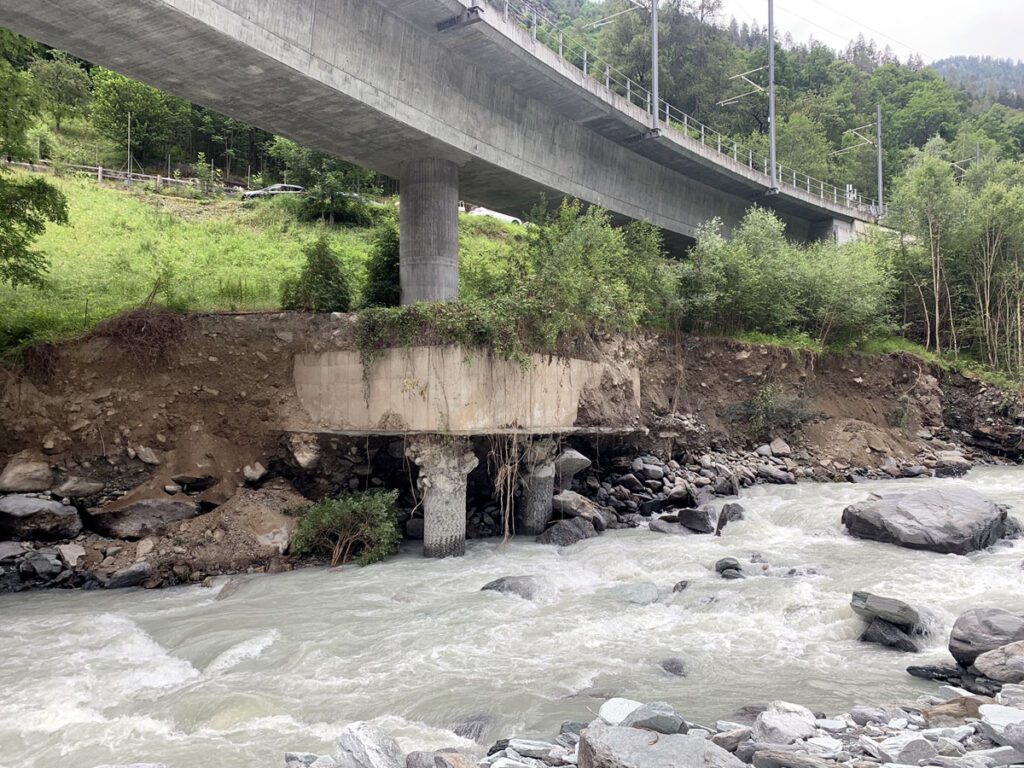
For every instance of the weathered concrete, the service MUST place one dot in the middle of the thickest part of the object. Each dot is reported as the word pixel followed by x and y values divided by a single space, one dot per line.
pixel 538 480
pixel 429 220
pixel 376 83
pixel 449 389
pixel 445 463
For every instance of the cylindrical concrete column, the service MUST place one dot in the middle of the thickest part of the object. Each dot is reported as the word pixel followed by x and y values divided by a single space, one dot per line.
pixel 429 226
pixel 444 464
pixel 538 481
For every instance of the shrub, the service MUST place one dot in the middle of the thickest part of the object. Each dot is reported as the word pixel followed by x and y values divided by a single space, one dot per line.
pixel 321 286
pixel 363 524
pixel 383 282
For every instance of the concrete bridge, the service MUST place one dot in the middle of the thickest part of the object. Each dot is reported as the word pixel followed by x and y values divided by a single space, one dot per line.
pixel 452 97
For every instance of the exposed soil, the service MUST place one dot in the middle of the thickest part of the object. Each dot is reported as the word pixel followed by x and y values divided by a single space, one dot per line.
pixel 186 420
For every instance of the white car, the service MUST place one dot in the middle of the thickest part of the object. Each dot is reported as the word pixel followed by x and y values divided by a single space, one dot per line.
pixel 479 211
pixel 274 189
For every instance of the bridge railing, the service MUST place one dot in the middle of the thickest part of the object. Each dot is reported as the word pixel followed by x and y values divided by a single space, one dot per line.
pixel 568 45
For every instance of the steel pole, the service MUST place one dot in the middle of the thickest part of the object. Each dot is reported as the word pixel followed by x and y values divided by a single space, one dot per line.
pixel 771 95
pixel 654 64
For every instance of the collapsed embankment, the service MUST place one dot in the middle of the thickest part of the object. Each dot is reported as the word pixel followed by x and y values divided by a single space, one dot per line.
pixel 169 461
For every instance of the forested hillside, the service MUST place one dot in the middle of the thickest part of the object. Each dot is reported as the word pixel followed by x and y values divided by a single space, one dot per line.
pixel 988 80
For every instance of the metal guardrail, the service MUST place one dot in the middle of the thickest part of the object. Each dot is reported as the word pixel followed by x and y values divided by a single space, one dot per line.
pixel 570 48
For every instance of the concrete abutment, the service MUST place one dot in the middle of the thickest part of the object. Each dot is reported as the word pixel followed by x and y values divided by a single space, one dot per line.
pixel 429 225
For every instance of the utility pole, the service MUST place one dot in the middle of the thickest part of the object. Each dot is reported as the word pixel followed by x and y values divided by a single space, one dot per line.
pixel 129 149
pixel 881 178
pixel 771 97
pixel 654 65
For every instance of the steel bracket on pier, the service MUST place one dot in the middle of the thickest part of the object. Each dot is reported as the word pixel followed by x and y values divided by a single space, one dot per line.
pixel 466 18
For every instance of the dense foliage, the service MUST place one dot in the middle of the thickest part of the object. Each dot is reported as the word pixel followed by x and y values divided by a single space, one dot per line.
pixel 383 287
pixel 355 524
pixel 26 205
pixel 321 286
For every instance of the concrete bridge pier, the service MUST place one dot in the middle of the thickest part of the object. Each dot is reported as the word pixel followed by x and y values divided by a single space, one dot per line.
pixel 538 483
pixel 445 464
pixel 429 229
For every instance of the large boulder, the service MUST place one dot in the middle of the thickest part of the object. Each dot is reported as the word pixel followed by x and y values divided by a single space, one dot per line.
pixel 566 532
pixel 136 520
pixel 525 587
pixel 568 464
pixel 364 745
pixel 784 723
pixel 870 607
pixel 702 520
pixel 948 520
pixel 983 629
pixel 882 632
pixel 572 504
pixel 26 473
pixel 30 517
pixel 1005 664
pixel 604 746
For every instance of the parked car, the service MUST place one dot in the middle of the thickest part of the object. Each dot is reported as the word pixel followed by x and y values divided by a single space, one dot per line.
pixel 481 211
pixel 274 189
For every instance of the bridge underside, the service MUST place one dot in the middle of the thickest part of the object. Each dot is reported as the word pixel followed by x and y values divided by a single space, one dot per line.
pixel 377 84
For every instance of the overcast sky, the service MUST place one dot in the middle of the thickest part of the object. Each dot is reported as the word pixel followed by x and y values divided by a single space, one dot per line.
pixel 933 28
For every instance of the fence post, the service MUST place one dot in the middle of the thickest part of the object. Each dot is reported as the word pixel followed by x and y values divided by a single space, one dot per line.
pixel 533 29
pixel 702 132
pixel 629 90
pixel 99 175
pixel 607 76
pixel 648 101
pixel 586 64
pixel 506 11
pixel 561 46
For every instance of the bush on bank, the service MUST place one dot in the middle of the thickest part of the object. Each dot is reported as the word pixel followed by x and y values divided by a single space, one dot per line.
pixel 357 524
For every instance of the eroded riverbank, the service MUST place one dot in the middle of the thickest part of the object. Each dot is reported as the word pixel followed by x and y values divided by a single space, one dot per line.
pixel 284 662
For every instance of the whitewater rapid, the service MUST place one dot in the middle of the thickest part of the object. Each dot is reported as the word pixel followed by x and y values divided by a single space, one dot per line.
pixel 284 662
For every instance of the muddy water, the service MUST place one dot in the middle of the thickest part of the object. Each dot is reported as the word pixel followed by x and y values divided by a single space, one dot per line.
pixel 285 661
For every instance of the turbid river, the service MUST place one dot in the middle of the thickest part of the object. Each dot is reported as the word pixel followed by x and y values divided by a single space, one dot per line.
pixel 286 661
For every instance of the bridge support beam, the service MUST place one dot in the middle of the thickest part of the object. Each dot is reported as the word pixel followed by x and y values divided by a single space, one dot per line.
pixel 429 226
pixel 445 464
pixel 538 483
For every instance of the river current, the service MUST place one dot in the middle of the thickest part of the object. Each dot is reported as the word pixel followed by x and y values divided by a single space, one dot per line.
pixel 283 662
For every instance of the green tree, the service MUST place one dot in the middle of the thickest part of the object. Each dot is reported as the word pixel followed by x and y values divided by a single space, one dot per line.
pixel 321 287
pixel 26 205
pixel 332 185
pixel 64 85
pixel 383 287
pixel 159 123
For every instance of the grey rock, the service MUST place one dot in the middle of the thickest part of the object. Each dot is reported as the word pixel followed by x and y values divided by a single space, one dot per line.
pixel 43 565
pixel 730 740
pixel 770 758
pixel 701 520
pixel 727 564
pixel 905 749
pixel 658 716
pixel 732 512
pixel 783 723
pixel 474 728
pixel 779 447
pixel 148 517
pixel 132 576
pixel 776 475
pixel 572 504
pixel 889 609
pixel 10 551
pixel 564 533
pixel 29 517
pixel 731 574
pixel 948 520
pixel 1013 736
pixel 675 665
pixel 664 526
pixel 615 747
pixel 862 715
pixel 420 760
pixel 525 587
pixel 78 487
pixel 568 464
pixel 1004 664
pixel 537 750
pixel 363 745
pixel 614 711
pixel 881 632
pixel 1011 696
pixel 983 629
pixel 26 473
pixel 414 528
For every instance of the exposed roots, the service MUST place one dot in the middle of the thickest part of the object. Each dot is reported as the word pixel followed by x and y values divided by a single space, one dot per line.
pixel 146 334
